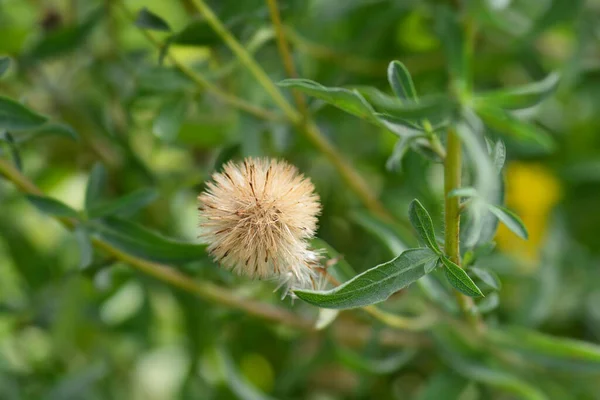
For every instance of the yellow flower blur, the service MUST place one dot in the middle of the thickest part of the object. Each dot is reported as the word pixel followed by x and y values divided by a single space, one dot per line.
pixel 531 191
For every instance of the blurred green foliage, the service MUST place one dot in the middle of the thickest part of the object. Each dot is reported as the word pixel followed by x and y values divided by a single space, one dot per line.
pixel 116 112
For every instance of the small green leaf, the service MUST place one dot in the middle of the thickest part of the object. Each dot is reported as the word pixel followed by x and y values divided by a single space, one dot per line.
pixel 350 101
pixel 48 129
pixel 400 126
pixel 510 219
pixel 434 108
pixel 463 192
pixel 139 241
pixel 488 277
pixel 384 366
pixel 86 251
pixel 520 97
pixel 421 221
pixel 95 185
pixel 508 125
pixel 374 285
pixel 52 206
pixel 4 64
pixel 148 20
pixel 394 162
pixel 459 279
pixel 499 155
pixel 127 204
pixel 553 352
pixel 430 266
pixel 15 116
pixel 167 123
pixel 401 81
pixel 14 149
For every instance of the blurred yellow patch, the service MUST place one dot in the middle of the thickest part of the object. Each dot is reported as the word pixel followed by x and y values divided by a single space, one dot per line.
pixel 531 191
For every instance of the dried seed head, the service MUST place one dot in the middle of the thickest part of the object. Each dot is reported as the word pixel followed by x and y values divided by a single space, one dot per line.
pixel 257 218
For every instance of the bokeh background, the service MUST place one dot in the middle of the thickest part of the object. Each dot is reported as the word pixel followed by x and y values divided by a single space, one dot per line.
pixel 71 329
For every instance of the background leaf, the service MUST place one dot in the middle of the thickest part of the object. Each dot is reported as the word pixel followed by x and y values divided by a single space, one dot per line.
pixel 52 206
pixel 148 20
pixel 14 116
pixel 510 219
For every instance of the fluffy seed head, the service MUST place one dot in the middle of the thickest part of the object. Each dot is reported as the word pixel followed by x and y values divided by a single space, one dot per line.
pixel 257 218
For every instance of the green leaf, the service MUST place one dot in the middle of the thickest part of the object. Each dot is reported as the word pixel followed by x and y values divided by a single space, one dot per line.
pixel 15 116
pixel 394 162
pixel 430 266
pixel 435 108
pixel 550 351
pixel 508 125
pixel 521 97
pixel 95 186
pixel 399 126
pixel 459 279
pixel 127 204
pixel 401 81
pixel 148 20
pixel 374 285
pixel 489 303
pixel 383 231
pixel 168 122
pixel 139 241
pixel 347 100
pixel 384 366
pixel 499 155
pixel 48 129
pixel 510 219
pixel 443 385
pixel 421 221
pixel 52 206
pixel 4 64
pixel 463 192
pixel 557 11
pixel 488 277
pixel 86 252
pixel 14 149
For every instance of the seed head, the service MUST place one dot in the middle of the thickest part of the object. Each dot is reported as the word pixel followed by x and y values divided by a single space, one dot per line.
pixel 257 218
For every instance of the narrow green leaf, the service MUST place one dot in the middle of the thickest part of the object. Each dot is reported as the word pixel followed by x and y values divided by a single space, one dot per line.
pixel 499 155
pixel 48 129
pixel 421 221
pixel 127 204
pixel 401 81
pixel 139 241
pixel 4 64
pixel 374 285
pixel 400 126
pixel 86 251
pixel 167 123
pixel 15 116
pixel 508 125
pixel 443 385
pixel 451 35
pixel 350 101
pixel 510 219
pixel 488 277
pixel 459 279
pixel 52 206
pixel 521 97
pixel 381 230
pixel 14 149
pixel 394 162
pixel 550 351
pixel 463 192
pixel 384 366
pixel 95 186
pixel 148 20
pixel 434 108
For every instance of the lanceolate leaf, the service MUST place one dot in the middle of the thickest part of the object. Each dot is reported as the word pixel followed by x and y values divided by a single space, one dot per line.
pixel 148 20
pixel 137 240
pixel 95 185
pixel 52 206
pixel 421 221
pixel 125 205
pixel 459 279
pixel 374 285
pixel 401 81
pixel 510 219
pixel 488 277
pixel 15 116
pixel 381 366
pixel 520 97
pixel 350 101
pixel 552 352
pixel 508 125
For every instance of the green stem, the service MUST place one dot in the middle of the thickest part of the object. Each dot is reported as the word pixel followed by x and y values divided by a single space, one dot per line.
pixel 452 179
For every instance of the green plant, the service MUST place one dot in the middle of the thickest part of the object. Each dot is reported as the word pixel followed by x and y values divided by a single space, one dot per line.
pixel 412 185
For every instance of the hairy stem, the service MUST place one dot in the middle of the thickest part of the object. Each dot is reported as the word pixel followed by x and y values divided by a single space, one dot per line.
pixel 452 178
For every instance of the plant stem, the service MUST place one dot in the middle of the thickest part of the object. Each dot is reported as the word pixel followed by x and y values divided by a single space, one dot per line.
pixel 286 56
pixel 452 178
